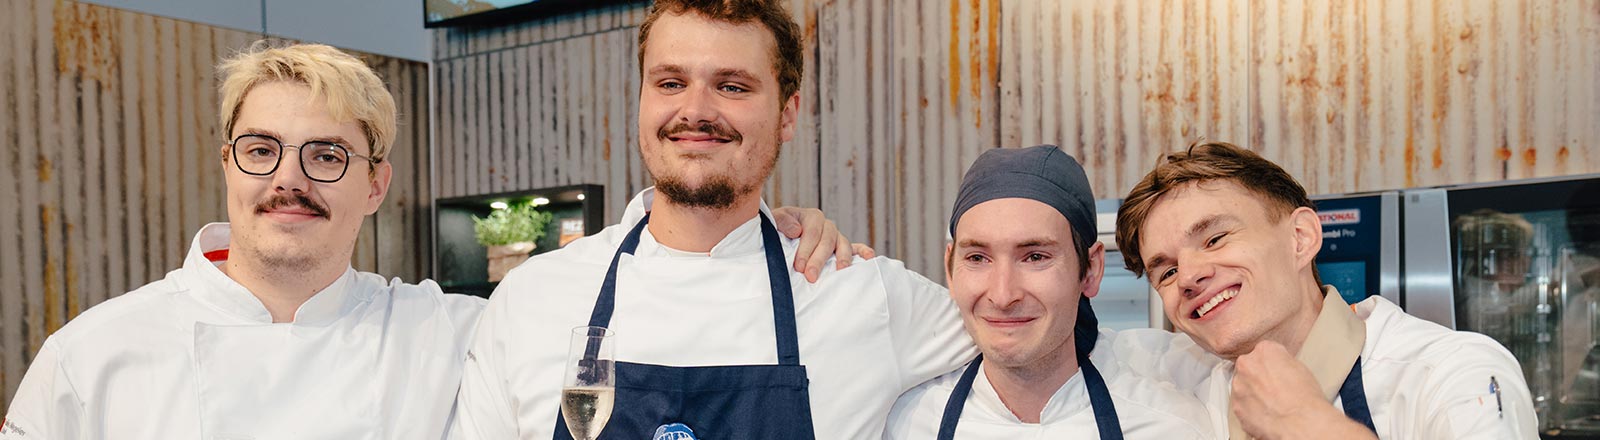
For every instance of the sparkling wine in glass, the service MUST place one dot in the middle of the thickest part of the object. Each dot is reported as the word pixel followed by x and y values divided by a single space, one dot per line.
pixel 589 387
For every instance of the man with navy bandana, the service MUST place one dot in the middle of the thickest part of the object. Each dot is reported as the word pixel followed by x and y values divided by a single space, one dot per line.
pixel 1021 269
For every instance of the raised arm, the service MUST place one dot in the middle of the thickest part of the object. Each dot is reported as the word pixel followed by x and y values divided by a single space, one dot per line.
pixel 820 239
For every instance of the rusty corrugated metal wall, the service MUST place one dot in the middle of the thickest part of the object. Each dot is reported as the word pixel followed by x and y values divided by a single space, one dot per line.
pixel 1349 95
pixel 108 120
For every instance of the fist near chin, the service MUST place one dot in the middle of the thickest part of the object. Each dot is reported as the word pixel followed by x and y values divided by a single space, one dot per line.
pixel 1275 396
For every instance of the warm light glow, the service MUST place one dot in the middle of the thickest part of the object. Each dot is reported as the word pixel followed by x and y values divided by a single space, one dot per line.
pixel 540 201
pixel 580 196
pixel 499 205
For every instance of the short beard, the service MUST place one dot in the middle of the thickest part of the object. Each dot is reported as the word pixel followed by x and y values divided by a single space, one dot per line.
pixel 279 264
pixel 289 264
pixel 717 194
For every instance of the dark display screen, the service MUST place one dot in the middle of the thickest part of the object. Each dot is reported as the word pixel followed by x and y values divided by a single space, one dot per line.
pixel 442 13
pixel 1350 253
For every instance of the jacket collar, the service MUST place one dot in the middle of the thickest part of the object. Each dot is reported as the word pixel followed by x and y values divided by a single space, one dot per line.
pixel 203 278
pixel 1330 350
pixel 1070 399
pixel 1334 343
pixel 744 240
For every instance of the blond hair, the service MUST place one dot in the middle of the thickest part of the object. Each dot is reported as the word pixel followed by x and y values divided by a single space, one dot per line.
pixel 350 89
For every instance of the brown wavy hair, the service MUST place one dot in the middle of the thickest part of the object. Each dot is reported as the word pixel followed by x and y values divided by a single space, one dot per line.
pixel 1203 162
pixel 788 59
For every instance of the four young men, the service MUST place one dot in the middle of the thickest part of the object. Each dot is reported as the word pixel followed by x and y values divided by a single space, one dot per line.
pixel 267 333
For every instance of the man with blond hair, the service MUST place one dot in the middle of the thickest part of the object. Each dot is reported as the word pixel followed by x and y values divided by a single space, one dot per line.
pixel 266 331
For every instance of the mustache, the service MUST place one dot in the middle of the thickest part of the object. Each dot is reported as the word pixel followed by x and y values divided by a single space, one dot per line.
pixel 292 200
pixel 716 130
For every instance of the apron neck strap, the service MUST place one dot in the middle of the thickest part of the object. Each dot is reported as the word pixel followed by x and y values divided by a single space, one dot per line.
pixel 777 275
pixel 782 294
pixel 607 302
pixel 1105 413
pixel 958 400
pixel 1353 396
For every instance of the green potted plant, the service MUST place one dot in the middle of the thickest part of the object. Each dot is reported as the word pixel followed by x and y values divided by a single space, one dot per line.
pixel 510 234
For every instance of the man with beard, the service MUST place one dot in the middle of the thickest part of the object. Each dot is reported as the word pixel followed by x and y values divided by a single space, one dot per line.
pixel 715 337
pixel 266 331
pixel 1229 240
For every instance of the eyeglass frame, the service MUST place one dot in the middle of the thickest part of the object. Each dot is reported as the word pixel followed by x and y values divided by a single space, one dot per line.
pixel 233 152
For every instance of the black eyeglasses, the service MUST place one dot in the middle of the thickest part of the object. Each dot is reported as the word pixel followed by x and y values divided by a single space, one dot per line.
pixel 260 155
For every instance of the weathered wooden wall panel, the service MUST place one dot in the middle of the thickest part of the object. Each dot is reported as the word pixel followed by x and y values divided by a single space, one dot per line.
pixel 111 162
pixel 900 95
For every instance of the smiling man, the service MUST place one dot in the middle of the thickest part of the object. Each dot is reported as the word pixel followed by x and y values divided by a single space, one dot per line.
pixel 1229 241
pixel 1022 268
pixel 715 334
pixel 266 331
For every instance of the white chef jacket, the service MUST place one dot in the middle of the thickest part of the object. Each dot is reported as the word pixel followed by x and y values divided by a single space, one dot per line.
pixel 1147 409
pixel 1422 381
pixel 866 333
pixel 195 355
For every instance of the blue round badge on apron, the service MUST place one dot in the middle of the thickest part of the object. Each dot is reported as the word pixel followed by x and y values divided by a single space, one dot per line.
pixel 768 402
pixel 674 431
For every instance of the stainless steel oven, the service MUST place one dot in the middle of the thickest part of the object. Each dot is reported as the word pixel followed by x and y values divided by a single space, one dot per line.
pixel 1520 262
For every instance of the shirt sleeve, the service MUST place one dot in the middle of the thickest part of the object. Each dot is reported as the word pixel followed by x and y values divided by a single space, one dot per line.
pixel 483 408
pixel 1162 356
pixel 46 406
pixel 1478 394
pixel 924 325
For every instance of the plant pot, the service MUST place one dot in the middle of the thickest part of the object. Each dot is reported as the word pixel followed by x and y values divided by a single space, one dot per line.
pixel 506 256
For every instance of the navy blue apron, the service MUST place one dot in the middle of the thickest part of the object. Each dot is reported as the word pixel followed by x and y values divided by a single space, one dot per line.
pixel 716 402
pixel 1353 396
pixel 1085 334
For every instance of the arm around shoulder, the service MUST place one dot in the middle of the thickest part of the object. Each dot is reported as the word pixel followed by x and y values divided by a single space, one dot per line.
pixel 483 407
pixel 924 324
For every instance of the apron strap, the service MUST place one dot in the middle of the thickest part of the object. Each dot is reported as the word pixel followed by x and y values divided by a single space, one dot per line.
pixel 783 321
pixel 1105 413
pixel 958 401
pixel 607 302
pixel 777 274
pixel 1353 396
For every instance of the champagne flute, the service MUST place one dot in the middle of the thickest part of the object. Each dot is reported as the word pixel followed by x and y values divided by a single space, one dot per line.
pixel 589 387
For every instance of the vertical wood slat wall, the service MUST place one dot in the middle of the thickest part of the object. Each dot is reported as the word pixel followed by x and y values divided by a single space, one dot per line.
pixel 109 164
pixel 900 95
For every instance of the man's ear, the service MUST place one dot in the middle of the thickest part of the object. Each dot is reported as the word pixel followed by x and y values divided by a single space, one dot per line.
pixel 382 172
pixel 1097 269
pixel 790 115
pixel 949 251
pixel 224 157
pixel 1307 229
